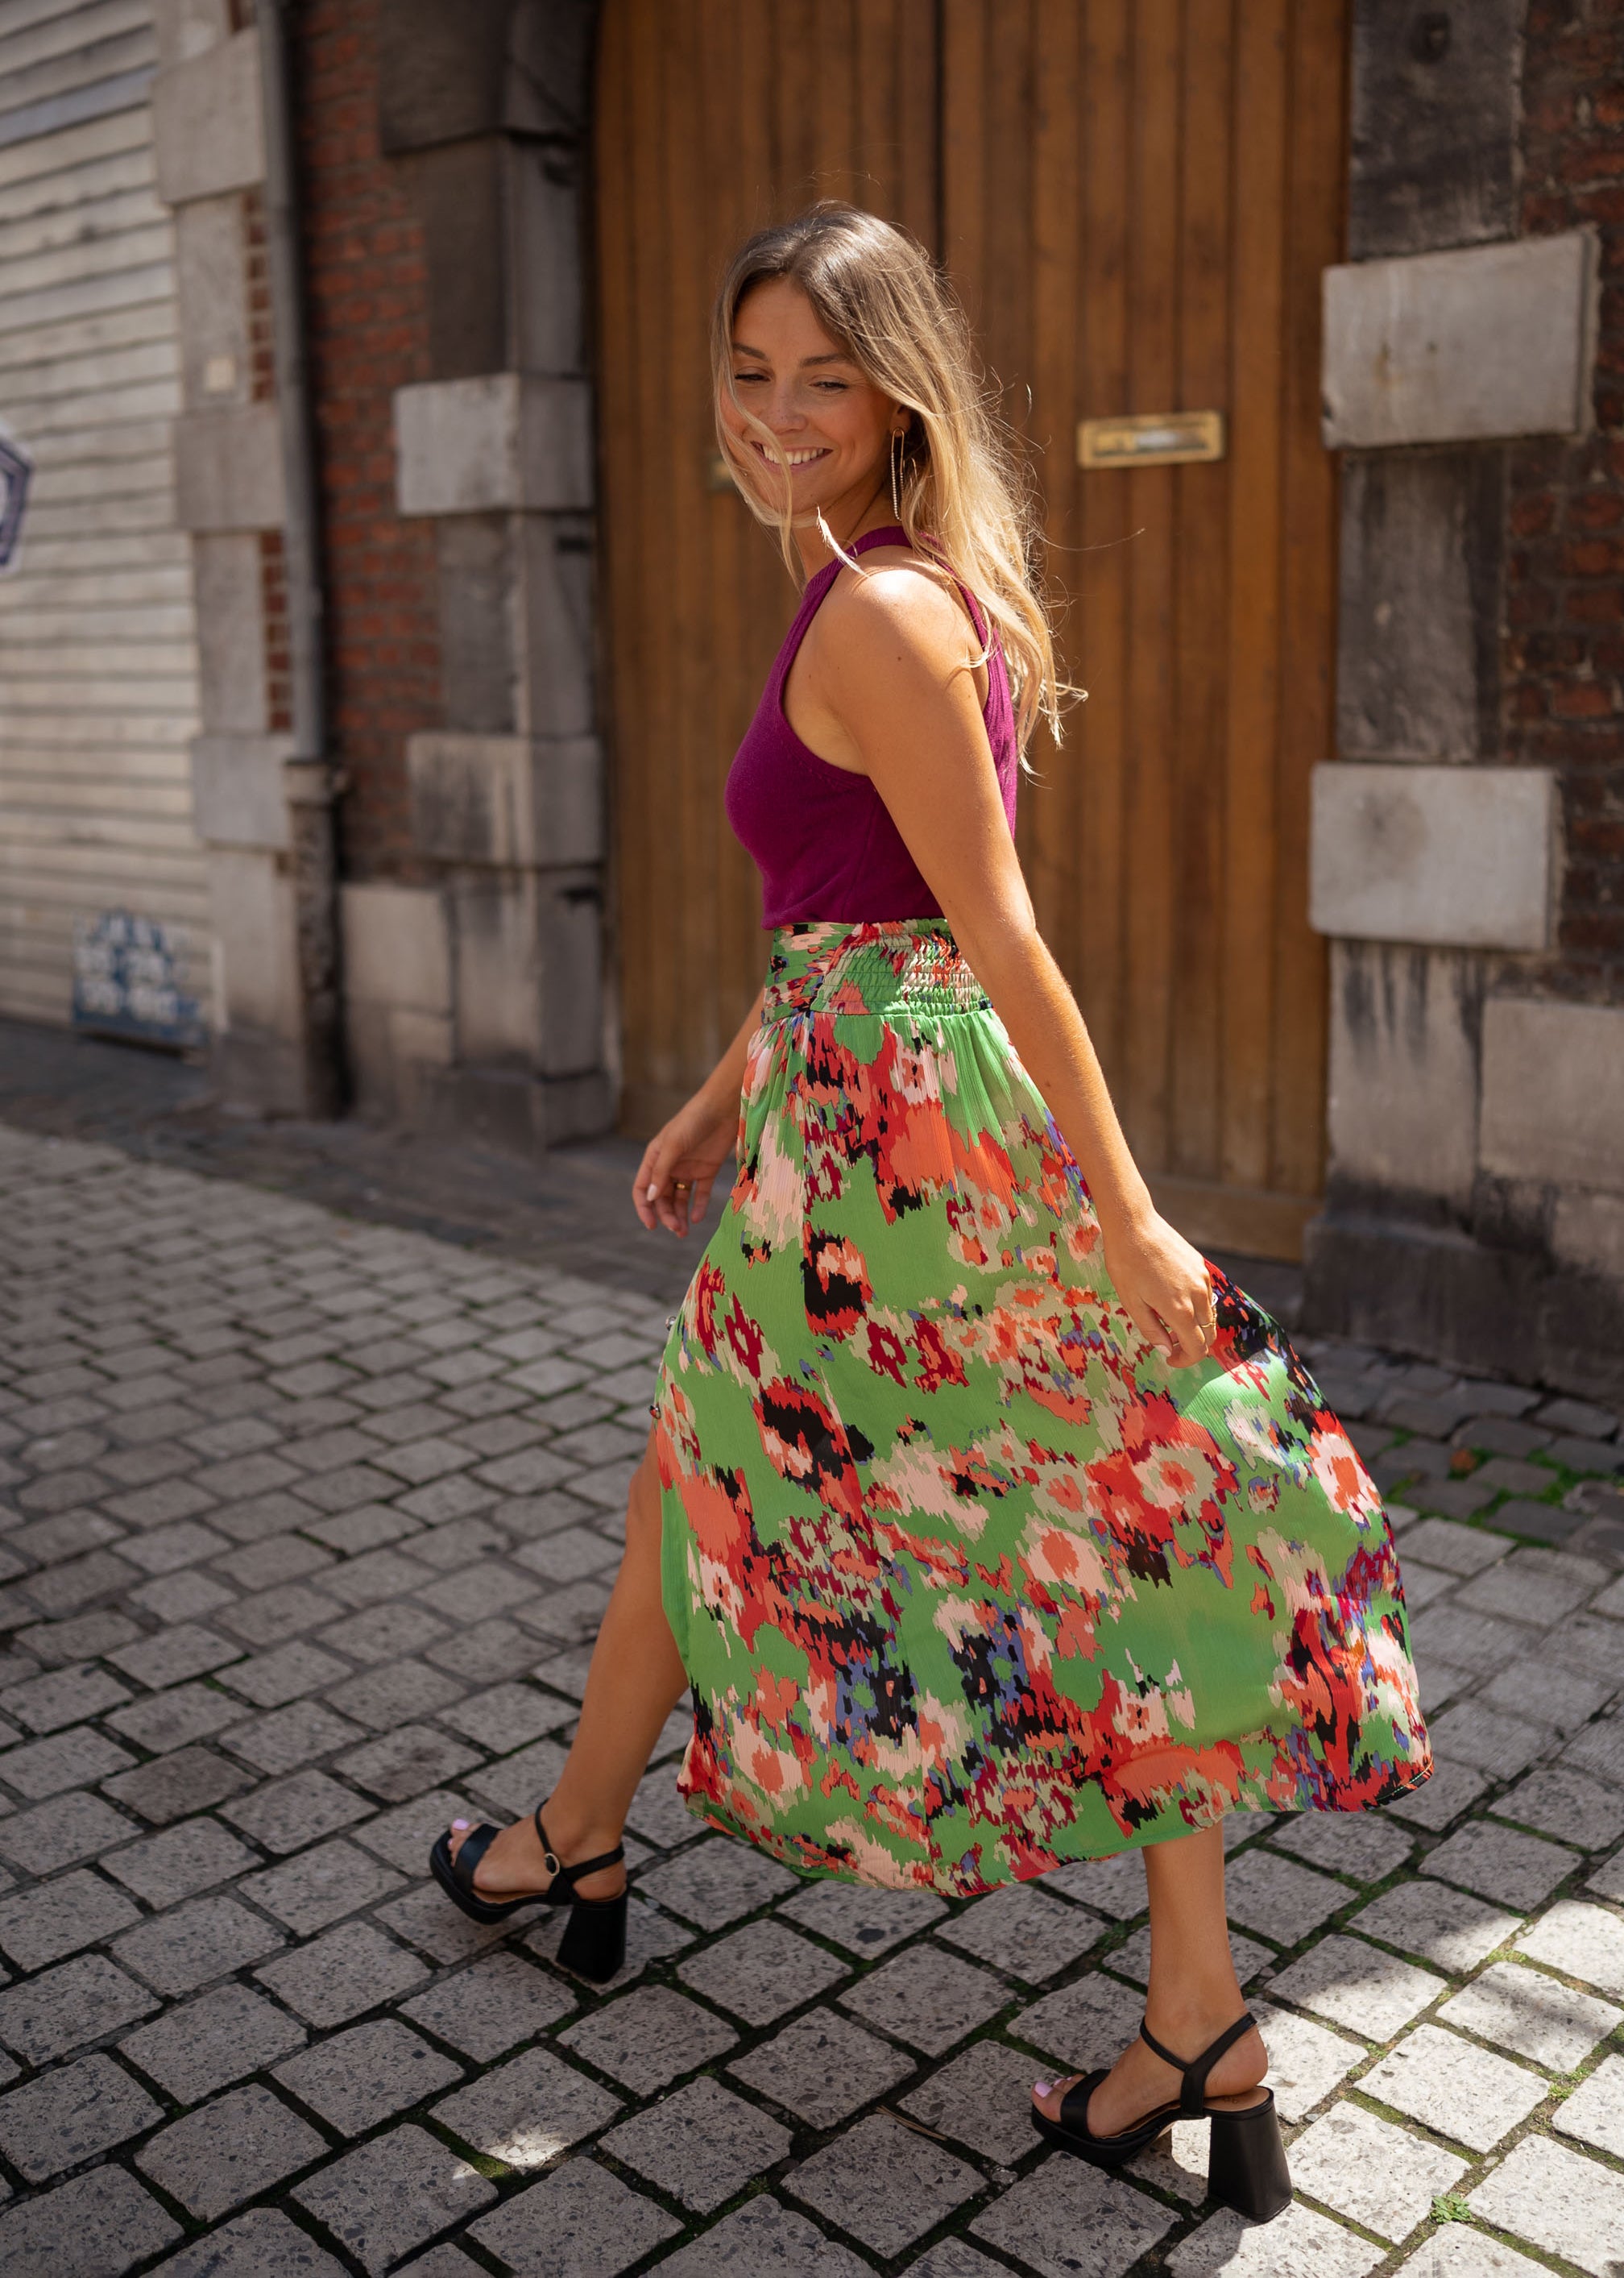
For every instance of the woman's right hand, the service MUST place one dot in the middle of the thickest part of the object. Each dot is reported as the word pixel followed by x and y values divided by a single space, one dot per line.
pixel 680 1163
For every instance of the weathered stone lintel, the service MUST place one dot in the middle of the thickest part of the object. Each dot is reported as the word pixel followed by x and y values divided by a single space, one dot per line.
pixel 1553 1092
pixel 1484 342
pixel 228 468
pixel 208 127
pixel 1460 857
pixel 504 439
pixel 507 801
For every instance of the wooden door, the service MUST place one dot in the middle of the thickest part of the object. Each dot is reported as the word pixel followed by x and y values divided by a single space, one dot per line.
pixel 1136 198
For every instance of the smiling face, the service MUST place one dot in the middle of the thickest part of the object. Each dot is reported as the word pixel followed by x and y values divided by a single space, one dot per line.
pixel 834 426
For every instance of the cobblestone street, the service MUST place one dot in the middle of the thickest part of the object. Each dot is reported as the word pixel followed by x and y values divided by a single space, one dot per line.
pixel 307 1523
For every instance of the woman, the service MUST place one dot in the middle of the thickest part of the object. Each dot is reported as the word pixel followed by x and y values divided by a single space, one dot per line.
pixel 998 1529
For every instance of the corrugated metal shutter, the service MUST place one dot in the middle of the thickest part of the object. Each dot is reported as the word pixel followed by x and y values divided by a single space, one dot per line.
pixel 98 656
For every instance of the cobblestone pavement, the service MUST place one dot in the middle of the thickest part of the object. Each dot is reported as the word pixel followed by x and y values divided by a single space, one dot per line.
pixel 306 1526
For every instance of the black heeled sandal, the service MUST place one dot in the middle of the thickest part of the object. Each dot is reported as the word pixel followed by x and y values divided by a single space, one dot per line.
pixel 594 1941
pixel 1246 2167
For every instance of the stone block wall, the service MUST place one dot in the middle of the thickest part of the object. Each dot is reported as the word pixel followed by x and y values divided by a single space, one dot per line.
pixel 1469 837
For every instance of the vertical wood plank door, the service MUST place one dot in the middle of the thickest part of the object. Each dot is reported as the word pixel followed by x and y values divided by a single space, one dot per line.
pixel 1138 197
pixel 1135 198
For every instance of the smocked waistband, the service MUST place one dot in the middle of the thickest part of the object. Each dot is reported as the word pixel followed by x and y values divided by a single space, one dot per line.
pixel 911 965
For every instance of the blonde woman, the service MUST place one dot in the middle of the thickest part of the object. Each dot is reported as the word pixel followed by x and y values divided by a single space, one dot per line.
pixel 991 1528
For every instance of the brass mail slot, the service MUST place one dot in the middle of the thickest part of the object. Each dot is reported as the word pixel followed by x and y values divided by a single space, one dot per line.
pixel 1159 439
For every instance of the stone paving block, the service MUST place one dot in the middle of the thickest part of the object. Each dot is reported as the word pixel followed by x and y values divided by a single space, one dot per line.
pixel 175 1785
pixel 285 1738
pixel 1446 1927
pixel 1463 1550
pixel 275 1558
pixel 272 1616
pixel 1468 1639
pixel 395 1695
pixel 62 1833
pixel 1306 2062
pixel 761 1972
pixel 1358 1986
pixel 96 2226
pixel 478 1592
pixel 424 1919
pixel 1132 1958
pixel 864 1920
pixel 1021 1930
pixel 357 2078
pixel 714 1883
pixel 1085 2024
pixel 1276 1896
pixel 983 2099
pixel 187 1649
pixel 167 1548
pixel 762 2239
pixel 205 2044
pixel 883 2184
pixel 79 1909
pixel 505 1717
pixel 487 2008
pixel 404 1837
pixel 271 1678
pixel 1472 1733
pixel 385 1632
pixel 1296 2244
pixel 184 1860
pixel 822 2068
pixel 69 1759
pixel 320 1886
pixel 569 1556
pixel 649 2038
pixel 341 1973
pixel 1454 2088
pixel 527 2110
pixel 68 2115
pixel 405 1763
pixel 926 1999
pixel 1565 1803
pixel 285 1815
pixel 1497 1862
pixel 1557 2199
pixel 1532 2015
pixel 1599 1748
pixel 1595 2112
pixel 181 1950
pixel 377 1575
pixel 65 1696
pixel 1546 1692
pixel 1609 1878
pixel 700 2144
pixel 578 2222
pixel 514 1785
pixel 186 1596
pixel 1114 1886
pixel 1359 1844
pixel 1376 2174
pixel 230 2150
pixel 1582 1941
pixel 262 2243
pixel 61 2008
pixel 1440 1800
pixel 1063 2202
pixel 162 1721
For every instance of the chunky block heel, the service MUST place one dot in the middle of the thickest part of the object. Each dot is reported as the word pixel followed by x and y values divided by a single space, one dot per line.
pixel 594 1941
pixel 1245 2167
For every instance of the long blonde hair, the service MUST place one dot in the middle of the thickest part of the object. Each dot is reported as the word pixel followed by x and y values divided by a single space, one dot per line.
pixel 961 493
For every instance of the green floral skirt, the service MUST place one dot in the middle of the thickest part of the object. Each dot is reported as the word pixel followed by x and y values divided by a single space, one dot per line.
pixel 968 1582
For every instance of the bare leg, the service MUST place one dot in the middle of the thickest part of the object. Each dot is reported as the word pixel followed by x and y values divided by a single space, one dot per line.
pixel 634 1681
pixel 1194 1994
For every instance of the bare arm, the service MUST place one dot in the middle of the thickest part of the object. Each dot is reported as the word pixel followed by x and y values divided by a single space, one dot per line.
pixel 891 668
pixel 692 1147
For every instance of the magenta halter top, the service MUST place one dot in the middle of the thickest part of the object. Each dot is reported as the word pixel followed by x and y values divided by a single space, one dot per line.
pixel 821 835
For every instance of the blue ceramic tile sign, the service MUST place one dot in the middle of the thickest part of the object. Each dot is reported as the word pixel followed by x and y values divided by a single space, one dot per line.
pixel 126 980
pixel 16 467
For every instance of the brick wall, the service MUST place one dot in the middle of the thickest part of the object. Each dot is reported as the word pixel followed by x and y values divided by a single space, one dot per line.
pixel 1564 678
pixel 366 287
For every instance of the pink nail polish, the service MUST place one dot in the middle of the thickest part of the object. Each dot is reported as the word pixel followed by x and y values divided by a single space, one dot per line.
pixel 459 1826
pixel 1042 2087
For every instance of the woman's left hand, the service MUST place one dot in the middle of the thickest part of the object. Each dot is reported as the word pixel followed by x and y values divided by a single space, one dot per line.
pixel 1165 1288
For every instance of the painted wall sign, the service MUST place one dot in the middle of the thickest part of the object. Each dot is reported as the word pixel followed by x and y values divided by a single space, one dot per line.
pixel 126 980
pixel 15 468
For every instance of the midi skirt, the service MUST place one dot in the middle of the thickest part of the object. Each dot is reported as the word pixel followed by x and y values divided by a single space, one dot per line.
pixel 967 1581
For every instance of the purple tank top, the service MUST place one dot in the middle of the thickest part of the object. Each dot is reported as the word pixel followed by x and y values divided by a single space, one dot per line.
pixel 821 835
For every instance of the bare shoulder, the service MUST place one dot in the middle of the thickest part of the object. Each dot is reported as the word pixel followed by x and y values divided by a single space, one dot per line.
pixel 895 611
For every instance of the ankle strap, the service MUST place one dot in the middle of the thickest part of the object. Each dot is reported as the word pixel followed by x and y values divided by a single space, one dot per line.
pixel 1193 2087
pixel 569 1875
